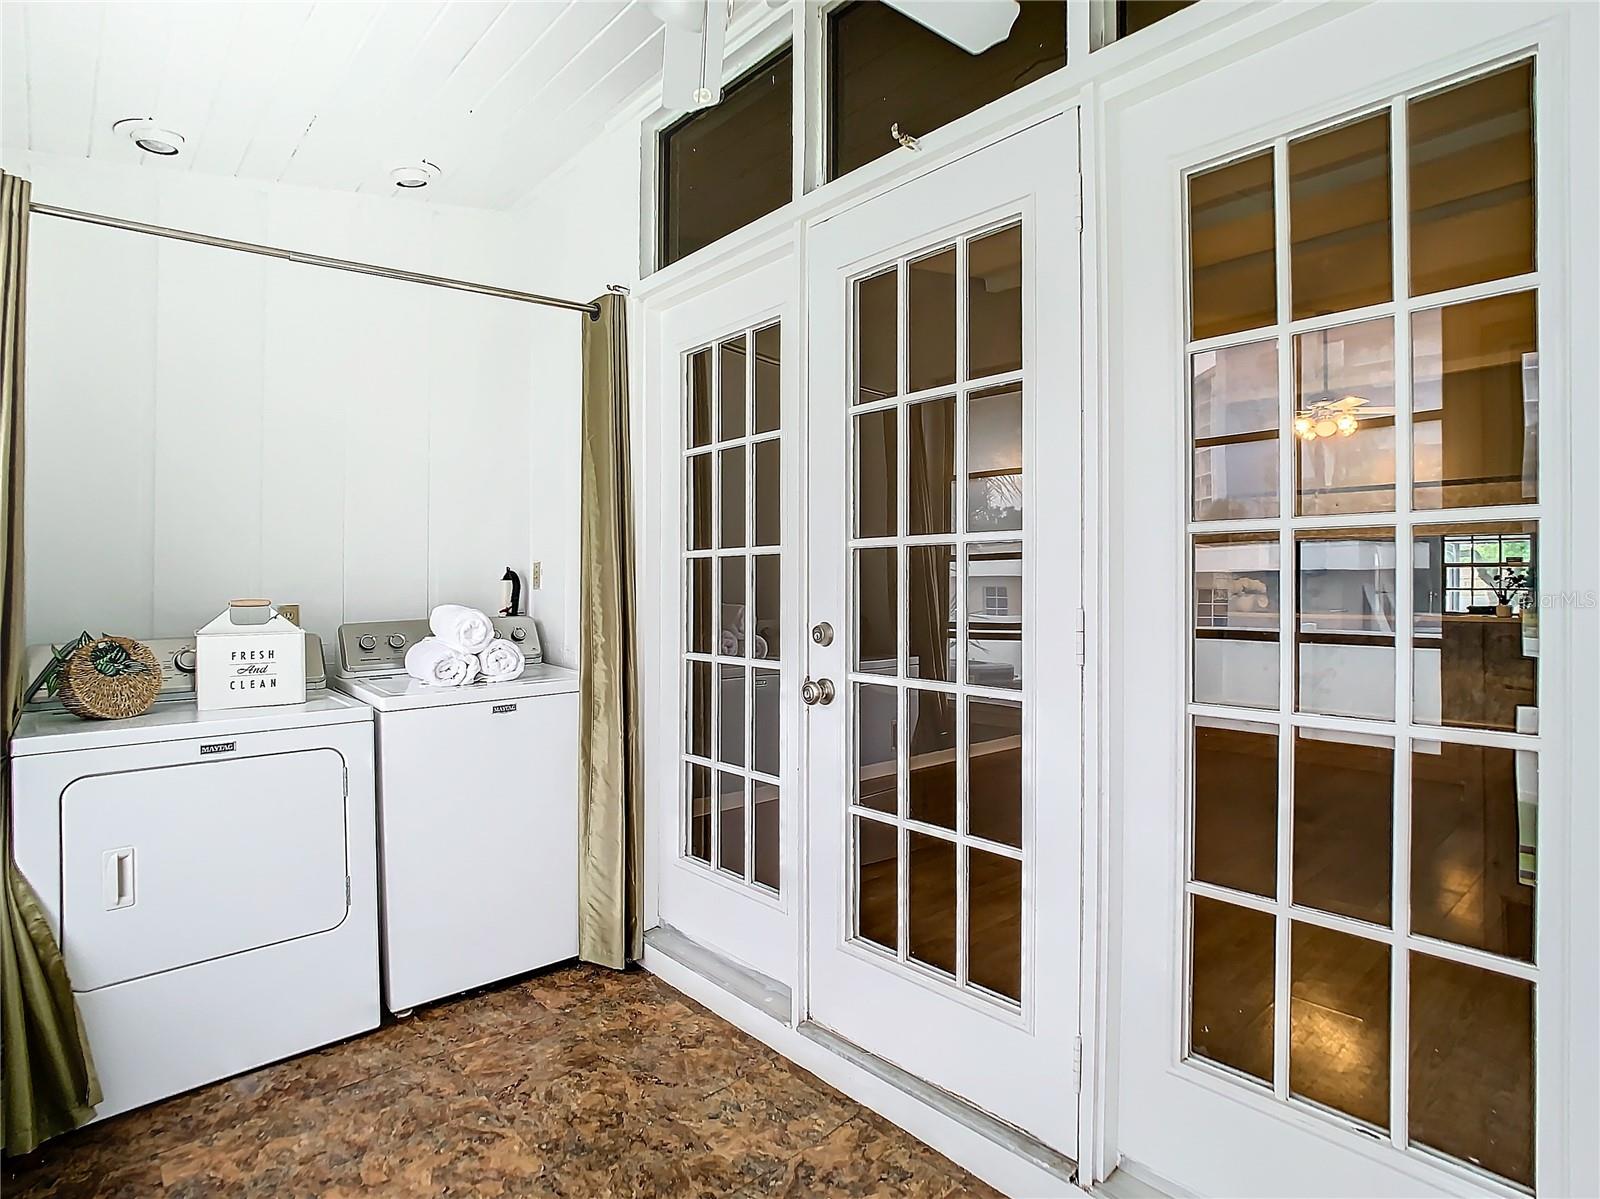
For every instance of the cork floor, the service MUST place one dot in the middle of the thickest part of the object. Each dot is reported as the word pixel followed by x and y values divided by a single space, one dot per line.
pixel 579 1082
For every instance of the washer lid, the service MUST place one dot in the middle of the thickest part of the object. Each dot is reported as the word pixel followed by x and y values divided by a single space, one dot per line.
pixel 401 692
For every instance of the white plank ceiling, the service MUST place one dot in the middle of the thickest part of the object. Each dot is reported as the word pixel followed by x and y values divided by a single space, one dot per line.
pixel 330 94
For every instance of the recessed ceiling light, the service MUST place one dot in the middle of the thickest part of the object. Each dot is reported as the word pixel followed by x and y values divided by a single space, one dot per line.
pixel 151 137
pixel 419 174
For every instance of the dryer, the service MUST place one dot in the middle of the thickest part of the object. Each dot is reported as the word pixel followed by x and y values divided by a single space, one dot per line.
pixel 211 877
pixel 477 813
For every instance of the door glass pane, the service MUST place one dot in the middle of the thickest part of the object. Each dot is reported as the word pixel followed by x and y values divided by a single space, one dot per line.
pixel 730 394
pixel 931 500
pixel 994 303
pixel 768 606
pixel 1234 280
pixel 730 725
pixel 699 532
pixel 1475 593
pixel 877 748
pixel 994 614
pixel 1472 1073
pixel 877 337
pixel 769 378
pixel 1475 387
pixel 697 712
pixel 1344 418
pixel 768 835
pixel 1341 252
pixel 931 902
pixel 732 615
pixel 730 523
pixel 994 459
pixel 994 771
pixel 877 611
pixel 769 494
pixel 1236 606
pixel 1345 592
pixel 877 469
pixel 702 619
pixel 697 788
pixel 931 612
pixel 1235 817
pixel 932 765
pixel 700 398
pixel 730 822
pixel 1234 393
pixel 1343 823
pixel 931 355
pixel 1231 971
pixel 994 938
pixel 1472 181
pixel 1474 845
pixel 878 883
pixel 1339 1022
pixel 764 731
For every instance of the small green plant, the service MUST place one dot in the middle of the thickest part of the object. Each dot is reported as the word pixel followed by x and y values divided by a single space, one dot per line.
pixel 107 657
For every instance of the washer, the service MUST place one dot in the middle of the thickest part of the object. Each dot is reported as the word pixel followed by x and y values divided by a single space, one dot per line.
pixel 477 813
pixel 211 876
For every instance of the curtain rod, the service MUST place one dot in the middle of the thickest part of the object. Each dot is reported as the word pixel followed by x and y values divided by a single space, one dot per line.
pixel 337 264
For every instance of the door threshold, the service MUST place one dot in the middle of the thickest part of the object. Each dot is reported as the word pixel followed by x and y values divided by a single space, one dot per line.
pixel 1005 1157
pixel 992 1128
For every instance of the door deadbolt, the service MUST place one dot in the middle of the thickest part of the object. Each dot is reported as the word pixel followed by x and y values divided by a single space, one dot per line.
pixel 817 691
pixel 822 633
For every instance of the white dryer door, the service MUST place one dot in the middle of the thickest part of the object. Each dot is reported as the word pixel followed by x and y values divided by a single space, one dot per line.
pixel 173 865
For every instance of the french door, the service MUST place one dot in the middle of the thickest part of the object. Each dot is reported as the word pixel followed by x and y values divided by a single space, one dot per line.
pixel 943 753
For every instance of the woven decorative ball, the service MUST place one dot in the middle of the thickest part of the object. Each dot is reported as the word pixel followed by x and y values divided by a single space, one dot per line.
pixel 110 679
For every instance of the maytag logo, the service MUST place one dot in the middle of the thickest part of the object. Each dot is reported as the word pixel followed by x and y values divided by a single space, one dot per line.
pixel 218 747
pixel 497 708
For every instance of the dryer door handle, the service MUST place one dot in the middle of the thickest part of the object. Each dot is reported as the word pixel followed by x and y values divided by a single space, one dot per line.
pixel 116 878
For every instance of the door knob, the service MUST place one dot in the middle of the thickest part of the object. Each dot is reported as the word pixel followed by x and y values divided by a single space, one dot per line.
pixel 817 691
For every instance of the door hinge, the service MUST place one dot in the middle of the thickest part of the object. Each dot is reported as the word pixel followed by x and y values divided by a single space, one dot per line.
pixel 1078 636
pixel 1077 1062
pixel 346 770
pixel 347 891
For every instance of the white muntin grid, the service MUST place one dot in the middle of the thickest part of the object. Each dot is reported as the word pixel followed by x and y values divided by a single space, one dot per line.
pixel 730 554
pixel 960 542
pixel 1405 730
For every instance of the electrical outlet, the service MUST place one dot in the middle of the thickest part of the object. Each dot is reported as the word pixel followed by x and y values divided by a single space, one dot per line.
pixel 290 612
pixel 534 574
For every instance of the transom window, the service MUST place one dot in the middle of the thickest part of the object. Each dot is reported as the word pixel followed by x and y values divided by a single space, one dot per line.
pixel 1364 715
pixel 732 570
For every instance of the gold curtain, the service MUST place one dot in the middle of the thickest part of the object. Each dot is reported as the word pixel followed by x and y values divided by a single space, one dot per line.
pixel 610 787
pixel 48 1084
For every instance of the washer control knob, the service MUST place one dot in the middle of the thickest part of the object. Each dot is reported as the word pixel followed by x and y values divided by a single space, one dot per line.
pixel 396 640
pixel 184 660
pixel 367 641
pixel 519 633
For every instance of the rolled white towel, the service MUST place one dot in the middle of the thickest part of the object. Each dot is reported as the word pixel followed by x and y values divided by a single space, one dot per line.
pixel 440 665
pixel 758 647
pixel 728 643
pixel 733 618
pixel 465 629
pixel 501 661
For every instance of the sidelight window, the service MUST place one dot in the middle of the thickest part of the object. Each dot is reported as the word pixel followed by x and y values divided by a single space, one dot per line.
pixel 732 569
pixel 1362 874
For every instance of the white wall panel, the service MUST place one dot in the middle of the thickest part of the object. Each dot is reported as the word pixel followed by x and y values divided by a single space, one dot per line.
pixel 90 418
pixel 207 432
